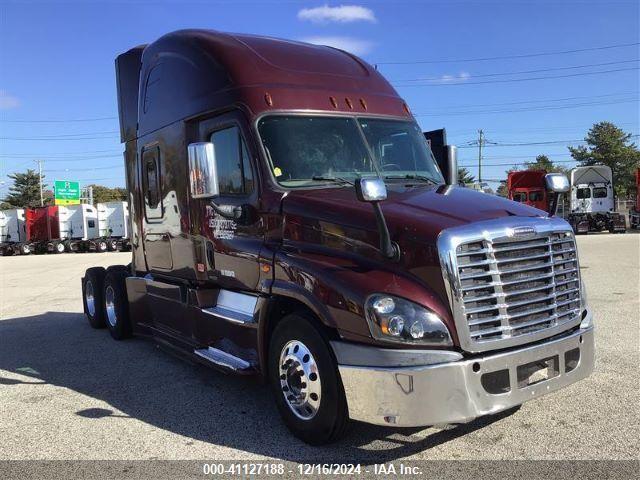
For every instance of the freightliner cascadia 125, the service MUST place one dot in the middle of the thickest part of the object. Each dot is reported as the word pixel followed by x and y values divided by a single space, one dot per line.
pixel 288 220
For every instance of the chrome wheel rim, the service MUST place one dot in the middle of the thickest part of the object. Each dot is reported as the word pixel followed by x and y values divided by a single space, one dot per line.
pixel 89 298
pixel 60 247
pixel 109 303
pixel 300 380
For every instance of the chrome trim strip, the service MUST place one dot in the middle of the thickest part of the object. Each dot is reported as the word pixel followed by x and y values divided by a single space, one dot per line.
pixel 497 230
pixel 223 359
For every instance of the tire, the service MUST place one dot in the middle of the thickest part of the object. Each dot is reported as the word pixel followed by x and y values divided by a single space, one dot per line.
pixel 321 419
pixel 101 246
pixel 92 296
pixel 116 305
pixel 112 245
pixel 60 247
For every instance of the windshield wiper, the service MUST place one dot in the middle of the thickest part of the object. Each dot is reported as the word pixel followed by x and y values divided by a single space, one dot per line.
pixel 320 178
pixel 422 178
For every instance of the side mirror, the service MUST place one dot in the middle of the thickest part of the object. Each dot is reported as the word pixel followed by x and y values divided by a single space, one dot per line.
pixel 556 184
pixel 203 171
pixel 451 175
pixel 371 189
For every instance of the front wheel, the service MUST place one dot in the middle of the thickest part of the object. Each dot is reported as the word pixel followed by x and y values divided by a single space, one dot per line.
pixel 305 381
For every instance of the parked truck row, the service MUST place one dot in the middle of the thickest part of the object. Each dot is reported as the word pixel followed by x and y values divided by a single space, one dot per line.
pixel 591 198
pixel 59 229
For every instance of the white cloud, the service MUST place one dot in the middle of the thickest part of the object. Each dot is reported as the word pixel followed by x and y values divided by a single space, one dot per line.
pixel 341 14
pixel 460 77
pixel 348 44
pixel 7 102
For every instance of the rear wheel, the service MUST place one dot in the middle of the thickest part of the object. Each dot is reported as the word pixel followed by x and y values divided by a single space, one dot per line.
pixel 116 303
pixel 112 245
pixel 305 381
pixel 92 296
pixel 60 247
pixel 101 246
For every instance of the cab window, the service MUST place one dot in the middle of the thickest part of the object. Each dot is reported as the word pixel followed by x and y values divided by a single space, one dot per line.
pixel 582 193
pixel 520 197
pixel 536 196
pixel 232 159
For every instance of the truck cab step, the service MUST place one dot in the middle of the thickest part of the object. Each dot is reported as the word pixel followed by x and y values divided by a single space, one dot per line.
pixel 223 359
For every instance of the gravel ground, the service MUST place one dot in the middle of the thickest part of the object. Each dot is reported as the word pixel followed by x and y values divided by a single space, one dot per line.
pixel 70 392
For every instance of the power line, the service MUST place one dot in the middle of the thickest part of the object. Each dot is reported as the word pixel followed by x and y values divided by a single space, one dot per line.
pixel 521 72
pixel 505 57
pixel 521 102
pixel 64 153
pixel 582 74
pixel 51 139
pixel 508 164
pixel 473 144
pixel 70 120
pixel 540 108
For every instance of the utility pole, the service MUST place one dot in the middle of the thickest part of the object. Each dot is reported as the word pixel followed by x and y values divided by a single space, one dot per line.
pixel 40 177
pixel 480 145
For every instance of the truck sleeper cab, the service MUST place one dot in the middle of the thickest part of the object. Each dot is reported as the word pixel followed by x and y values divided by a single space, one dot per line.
pixel 289 220
pixel 13 232
pixel 592 201
pixel 528 187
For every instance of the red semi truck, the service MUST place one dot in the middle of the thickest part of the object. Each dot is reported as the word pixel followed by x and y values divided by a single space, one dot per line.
pixel 43 227
pixel 528 187
pixel 289 221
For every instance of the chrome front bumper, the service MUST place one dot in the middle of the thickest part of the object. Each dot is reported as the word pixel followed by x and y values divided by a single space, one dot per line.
pixel 460 391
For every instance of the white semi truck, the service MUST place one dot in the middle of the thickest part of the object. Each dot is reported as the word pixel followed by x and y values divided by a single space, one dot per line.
pixel 113 224
pixel 592 201
pixel 78 230
pixel 13 236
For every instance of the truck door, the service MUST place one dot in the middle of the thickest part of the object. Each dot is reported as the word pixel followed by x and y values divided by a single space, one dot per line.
pixel 233 245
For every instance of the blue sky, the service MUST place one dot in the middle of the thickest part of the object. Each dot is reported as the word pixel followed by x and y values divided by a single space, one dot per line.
pixel 56 63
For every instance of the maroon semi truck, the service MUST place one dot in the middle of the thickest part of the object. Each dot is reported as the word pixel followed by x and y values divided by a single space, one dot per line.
pixel 289 221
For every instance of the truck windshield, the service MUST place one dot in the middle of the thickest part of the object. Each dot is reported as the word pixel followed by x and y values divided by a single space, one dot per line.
pixel 582 193
pixel 313 150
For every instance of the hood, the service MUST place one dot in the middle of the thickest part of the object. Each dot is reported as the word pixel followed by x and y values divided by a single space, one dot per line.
pixel 332 218
pixel 425 211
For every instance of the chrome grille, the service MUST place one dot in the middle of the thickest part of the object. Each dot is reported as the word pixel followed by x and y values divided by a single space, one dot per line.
pixel 512 287
pixel 511 280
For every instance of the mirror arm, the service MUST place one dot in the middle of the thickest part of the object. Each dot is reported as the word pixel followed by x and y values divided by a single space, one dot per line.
pixel 389 249
pixel 554 203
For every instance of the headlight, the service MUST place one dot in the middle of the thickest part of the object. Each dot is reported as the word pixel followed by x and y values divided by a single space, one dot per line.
pixel 398 320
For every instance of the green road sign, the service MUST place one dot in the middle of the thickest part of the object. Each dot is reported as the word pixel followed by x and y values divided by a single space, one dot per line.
pixel 67 193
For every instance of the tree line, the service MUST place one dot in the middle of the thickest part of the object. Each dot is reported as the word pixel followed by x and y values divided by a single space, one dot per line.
pixel 25 192
pixel 605 144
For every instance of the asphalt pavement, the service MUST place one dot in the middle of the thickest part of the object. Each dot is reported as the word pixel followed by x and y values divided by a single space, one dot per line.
pixel 70 392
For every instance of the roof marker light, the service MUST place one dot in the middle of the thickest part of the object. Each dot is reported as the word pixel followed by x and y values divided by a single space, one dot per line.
pixel 363 103
pixel 349 104
pixel 334 102
pixel 268 99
